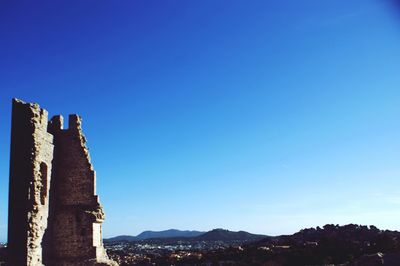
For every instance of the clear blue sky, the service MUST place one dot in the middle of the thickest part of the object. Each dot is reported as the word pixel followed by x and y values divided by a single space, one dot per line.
pixel 264 116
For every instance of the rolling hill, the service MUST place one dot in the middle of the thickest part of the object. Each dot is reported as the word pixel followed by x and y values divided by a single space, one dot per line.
pixel 173 235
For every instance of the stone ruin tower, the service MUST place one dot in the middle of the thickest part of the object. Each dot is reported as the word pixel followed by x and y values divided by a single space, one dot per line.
pixel 55 217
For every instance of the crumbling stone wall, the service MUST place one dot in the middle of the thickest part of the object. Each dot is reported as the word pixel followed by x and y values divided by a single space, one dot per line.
pixel 76 223
pixel 59 220
pixel 30 165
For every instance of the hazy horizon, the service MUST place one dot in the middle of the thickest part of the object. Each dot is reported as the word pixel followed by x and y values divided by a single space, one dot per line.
pixel 262 116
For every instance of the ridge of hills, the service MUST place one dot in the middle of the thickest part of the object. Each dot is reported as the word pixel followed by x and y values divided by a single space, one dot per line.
pixel 170 233
pixel 350 232
pixel 223 234
pixel 213 235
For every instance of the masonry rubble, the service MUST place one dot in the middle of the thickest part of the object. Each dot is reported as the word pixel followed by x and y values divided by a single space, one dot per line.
pixel 55 217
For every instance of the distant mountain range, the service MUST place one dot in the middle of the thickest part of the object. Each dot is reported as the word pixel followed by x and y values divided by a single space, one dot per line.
pixel 171 233
pixel 226 235
pixel 168 234
pixel 213 235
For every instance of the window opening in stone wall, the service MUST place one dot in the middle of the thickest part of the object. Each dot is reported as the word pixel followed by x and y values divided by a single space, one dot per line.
pixel 43 192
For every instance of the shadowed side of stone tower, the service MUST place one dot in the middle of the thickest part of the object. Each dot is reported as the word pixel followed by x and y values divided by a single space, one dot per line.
pixel 55 217
pixel 76 214
pixel 31 155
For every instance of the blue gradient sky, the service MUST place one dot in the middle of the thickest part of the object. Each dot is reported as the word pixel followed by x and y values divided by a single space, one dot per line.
pixel 264 116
